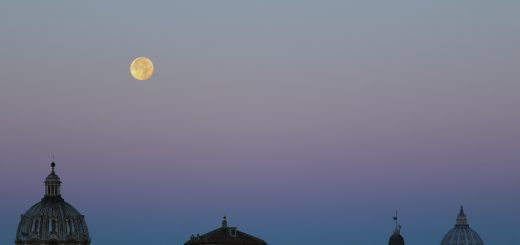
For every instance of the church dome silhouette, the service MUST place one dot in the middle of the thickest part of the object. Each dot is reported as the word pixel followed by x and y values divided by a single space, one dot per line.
pixel 396 239
pixel 462 234
pixel 52 220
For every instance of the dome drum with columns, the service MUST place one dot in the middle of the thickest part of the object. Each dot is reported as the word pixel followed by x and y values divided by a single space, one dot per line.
pixel 52 221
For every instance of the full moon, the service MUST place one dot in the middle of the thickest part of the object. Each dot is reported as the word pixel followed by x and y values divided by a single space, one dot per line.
pixel 141 68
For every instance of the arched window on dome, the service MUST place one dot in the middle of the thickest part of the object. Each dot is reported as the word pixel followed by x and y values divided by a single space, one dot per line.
pixel 52 225
pixel 36 225
pixel 67 226
pixel 72 227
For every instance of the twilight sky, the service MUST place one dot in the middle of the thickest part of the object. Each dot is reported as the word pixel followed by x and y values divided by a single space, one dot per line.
pixel 305 122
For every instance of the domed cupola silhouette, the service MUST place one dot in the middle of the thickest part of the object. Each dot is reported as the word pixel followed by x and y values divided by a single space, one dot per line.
pixel 462 234
pixel 52 221
pixel 396 238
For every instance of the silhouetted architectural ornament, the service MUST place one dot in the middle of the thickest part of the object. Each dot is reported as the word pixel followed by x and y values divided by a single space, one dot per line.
pixel 396 238
pixel 52 221
pixel 225 235
pixel 461 234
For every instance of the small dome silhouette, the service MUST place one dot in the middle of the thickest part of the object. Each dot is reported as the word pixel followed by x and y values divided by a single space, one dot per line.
pixel 462 234
pixel 396 239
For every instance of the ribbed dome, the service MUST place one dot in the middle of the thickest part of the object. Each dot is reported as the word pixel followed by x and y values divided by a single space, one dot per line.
pixel 52 219
pixel 462 234
pixel 52 206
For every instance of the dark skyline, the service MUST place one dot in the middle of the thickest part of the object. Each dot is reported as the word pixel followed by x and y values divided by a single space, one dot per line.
pixel 299 120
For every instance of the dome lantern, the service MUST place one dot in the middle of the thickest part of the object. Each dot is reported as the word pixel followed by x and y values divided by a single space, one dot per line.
pixel 52 183
pixel 461 218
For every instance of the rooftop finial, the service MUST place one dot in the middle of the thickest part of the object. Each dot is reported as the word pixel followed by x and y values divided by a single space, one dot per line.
pixel 461 218
pixel 52 163
pixel 52 182
pixel 395 218
pixel 224 222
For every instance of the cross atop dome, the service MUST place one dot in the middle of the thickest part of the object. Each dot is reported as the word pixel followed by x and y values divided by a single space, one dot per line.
pixel 396 238
pixel 397 229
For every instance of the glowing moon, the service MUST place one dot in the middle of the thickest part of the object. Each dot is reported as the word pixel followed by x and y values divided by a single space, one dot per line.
pixel 141 68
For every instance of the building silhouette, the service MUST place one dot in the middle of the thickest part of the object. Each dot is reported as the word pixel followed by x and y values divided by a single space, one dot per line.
pixel 52 221
pixel 462 234
pixel 225 235
pixel 396 238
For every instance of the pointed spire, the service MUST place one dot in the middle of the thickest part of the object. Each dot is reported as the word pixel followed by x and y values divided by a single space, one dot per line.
pixel 461 212
pixel 224 222
pixel 396 238
pixel 461 217
pixel 395 218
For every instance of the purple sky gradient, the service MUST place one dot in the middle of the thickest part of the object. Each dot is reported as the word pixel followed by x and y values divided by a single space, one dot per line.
pixel 305 122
